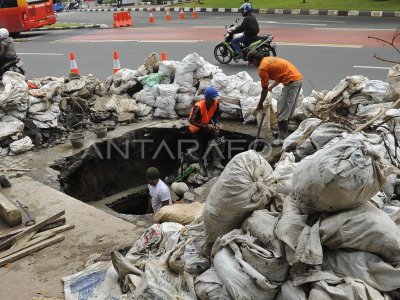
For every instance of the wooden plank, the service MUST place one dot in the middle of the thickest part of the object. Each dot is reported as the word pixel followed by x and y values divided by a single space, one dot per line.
pixel 19 245
pixel 9 212
pixel 59 222
pixel 30 250
pixel 54 230
pixel 10 241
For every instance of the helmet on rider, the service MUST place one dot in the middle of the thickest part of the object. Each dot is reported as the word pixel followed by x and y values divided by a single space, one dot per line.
pixel 245 9
pixel 3 33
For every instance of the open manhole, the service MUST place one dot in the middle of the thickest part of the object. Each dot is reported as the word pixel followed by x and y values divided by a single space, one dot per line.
pixel 114 170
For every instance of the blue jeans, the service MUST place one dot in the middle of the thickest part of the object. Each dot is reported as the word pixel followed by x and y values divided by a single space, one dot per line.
pixel 242 39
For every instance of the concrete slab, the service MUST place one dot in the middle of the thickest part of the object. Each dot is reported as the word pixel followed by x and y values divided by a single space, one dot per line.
pixel 95 232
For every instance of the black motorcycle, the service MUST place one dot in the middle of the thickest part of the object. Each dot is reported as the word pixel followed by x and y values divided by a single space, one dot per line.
pixel 14 65
pixel 72 4
pixel 224 53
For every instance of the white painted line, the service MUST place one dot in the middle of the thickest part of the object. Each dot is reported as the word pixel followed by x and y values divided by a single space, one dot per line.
pixel 93 41
pixel 358 29
pixel 283 23
pixel 371 67
pixel 54 54
pixel 325 21
pixel 169 41
pixel 319 45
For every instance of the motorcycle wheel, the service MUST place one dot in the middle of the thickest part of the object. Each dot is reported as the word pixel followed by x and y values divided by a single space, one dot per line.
pixel 222 54
pixel 268 50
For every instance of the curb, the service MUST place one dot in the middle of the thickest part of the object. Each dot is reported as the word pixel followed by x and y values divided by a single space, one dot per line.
pixel 310 12
pixel 83 26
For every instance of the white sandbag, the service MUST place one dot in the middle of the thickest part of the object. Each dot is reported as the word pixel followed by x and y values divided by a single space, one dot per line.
pixel 376 89
pixel 254 89
pixel 125 75
pixel 222 82
pixel 205 69
pixel 98 281
pixel 309 105
pixel 184 101
pixel 344 288
pixel 21 146
pixel 283 173
pixel 191 62
pixel 158 282
pixel 47 119
pixel 393 79
pixel 168 67
pixel 229 108
pixel 243 80
pixel 290 292
pixel 248 106
pixel 393 212
pixel 9 128
pixel 183 213
pixel 302 242
pixel 233 116
pixel 15 93
pixel 203 84
pixel 341 176
pixel 148 95
pixel 261 224
pixel 245 185
pixel 365 266
pixel 371 110
pixel 75 85
pixel 346 87
pixel 143 109
pixel 240 277
pixel 364 228
pixel 208 286
pixel 304 126
pixel 182 78
pixel 165 114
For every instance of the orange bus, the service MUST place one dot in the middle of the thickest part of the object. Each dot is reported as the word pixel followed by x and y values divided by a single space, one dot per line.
pixel 23 15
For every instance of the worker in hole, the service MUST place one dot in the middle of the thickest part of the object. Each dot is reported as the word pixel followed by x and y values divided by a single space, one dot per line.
pixel 204 124
pixel 159 193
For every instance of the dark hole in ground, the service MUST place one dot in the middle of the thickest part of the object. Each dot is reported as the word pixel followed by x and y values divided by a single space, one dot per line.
pixel 133 204
pixel 117 165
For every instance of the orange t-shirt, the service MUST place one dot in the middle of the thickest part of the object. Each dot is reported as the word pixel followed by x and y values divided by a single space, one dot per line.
pixel 278 69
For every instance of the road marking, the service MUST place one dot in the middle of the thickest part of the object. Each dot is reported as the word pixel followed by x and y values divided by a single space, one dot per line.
pixel 123 41
pixel 319 45
pixel 169 41
pixel 371 67
pixel 325 21
pixel 47 54
pixel 199 27
pixel 360 29
pixel 284 23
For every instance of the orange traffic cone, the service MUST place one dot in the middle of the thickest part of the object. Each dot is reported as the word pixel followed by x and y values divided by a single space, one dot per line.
pixel 163 56
pixel 168 16
pixel 117 66
pixel 151 18
pixel 194 12
pixel 72 63
pixel 182 14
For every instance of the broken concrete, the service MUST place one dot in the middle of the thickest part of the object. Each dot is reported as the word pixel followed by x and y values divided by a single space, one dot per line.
pixel 9 212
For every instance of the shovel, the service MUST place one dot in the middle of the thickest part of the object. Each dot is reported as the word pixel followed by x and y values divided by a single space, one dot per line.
pixel 259 130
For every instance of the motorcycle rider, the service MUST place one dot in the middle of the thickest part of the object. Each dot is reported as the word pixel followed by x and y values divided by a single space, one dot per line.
pixel 7 47
pixel 249 27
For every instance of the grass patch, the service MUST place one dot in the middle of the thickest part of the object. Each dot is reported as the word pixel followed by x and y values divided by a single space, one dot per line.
pixel 63 25
pixel 366 5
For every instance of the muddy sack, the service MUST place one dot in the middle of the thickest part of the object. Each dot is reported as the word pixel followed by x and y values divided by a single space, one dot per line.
pixel 245 185
pixel 340 176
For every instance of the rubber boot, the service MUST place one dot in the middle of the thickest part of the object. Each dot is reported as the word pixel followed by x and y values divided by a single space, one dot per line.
pixel 203 170
pixel 283 133
pixel 216 162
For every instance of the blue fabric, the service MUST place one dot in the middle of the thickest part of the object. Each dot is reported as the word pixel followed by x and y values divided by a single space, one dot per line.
pixel 242 39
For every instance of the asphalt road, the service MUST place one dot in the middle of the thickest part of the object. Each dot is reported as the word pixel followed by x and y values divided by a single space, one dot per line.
pixel 325 49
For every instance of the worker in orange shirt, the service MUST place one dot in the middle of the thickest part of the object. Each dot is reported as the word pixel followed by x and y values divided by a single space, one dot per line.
pixel 280 71
pixel 204 124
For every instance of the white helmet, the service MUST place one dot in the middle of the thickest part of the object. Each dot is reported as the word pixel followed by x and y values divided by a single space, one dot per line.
pixel 3 33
